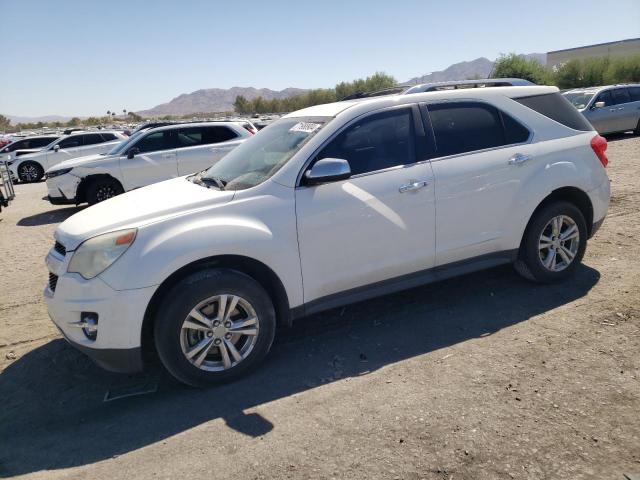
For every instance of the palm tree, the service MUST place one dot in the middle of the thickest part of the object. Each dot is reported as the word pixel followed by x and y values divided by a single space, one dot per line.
pixel 108 112
pixel 124 112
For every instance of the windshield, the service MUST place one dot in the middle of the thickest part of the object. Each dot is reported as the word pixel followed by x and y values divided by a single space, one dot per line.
pixel 122 146
pixel 579 100
pixel 262 155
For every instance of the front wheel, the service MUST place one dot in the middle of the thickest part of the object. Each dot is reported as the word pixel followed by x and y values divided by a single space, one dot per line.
pixel 30 172
pixel 102 189
pixel 554 243
pixel 214 326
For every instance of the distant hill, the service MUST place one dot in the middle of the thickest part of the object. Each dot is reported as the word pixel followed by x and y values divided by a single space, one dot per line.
pixel 214 100
pixel 221 100
pixel 478 68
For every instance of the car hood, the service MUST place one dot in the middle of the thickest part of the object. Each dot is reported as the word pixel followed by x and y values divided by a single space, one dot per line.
pixel 154 203
pixel 85 161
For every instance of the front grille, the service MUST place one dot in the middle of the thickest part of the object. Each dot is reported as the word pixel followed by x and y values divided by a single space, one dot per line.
pixel 53 281
pixel 58 247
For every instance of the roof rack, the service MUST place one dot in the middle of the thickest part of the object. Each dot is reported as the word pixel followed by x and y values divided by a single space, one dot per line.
pixel 439 86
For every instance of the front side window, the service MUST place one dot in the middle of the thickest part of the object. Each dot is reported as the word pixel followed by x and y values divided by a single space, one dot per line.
pixel 634 93
pixel 108 137
pixel 465 127
pixel 156 141
pixel 379 141
pixel 579 100
pixel 262 155
pixel 71 142
pixel 41 142
pixel 606 98
pixel 620 96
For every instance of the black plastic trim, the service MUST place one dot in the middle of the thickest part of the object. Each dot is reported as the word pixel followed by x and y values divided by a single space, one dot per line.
pixel 404 282
pixel 119 360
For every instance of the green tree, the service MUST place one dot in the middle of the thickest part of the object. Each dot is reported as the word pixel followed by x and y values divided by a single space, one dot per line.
pixel 517 66
pixel 5 123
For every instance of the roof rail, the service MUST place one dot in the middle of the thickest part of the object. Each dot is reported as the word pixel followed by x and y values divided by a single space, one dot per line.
pixel 438 86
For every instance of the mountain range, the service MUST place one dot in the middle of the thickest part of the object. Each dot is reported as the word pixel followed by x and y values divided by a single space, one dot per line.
pixel 221 100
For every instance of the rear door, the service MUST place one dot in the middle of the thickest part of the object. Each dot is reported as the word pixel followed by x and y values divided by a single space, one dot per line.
pixel 625 109
pixel 154 161
pixel 202 146
pixel 482 158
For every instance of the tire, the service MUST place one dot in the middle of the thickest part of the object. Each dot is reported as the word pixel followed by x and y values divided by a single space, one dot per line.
pixel 30 172
pixel 550 259
pixel 179 334
pixel 102 189
pixel 637 130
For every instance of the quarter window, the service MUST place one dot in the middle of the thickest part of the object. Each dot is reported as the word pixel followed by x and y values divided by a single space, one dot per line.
pixel 620 95
pixel 468 126
pixel 108 137
pixel 377 142
pixel 634 93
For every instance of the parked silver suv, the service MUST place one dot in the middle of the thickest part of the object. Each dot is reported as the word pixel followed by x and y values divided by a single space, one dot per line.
pixel 610 109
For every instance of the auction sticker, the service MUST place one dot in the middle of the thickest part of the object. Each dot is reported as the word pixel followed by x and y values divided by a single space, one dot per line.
pixel 305 127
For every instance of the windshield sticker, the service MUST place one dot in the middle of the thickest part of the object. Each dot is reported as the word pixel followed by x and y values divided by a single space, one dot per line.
pixel 305 127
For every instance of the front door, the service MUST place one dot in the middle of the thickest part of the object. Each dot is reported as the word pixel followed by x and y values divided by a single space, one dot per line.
pixel 378 224
pixel 154 160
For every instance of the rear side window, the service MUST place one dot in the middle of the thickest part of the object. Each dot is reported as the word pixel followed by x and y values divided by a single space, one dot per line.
pixel 217 134
pixel 92 139
pixel 468 126
pixel 12 147
pixel 376 142
pixel 634 92
pixel 620 95
pixel 558 108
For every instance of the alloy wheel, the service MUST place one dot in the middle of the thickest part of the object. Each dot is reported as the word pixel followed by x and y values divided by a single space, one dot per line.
pixel 559 243
pixel 219 332
pixel 28 173
pixel 105 192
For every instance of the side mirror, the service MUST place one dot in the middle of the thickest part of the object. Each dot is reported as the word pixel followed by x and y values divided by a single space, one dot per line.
pixel 327 170
pixel 599 105
pixel 132 152
pixel 56 148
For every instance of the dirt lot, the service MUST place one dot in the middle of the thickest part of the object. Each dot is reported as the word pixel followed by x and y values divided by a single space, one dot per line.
pixel 481 377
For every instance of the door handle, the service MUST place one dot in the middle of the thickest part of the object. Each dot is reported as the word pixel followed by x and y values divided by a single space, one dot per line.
pixel 519 158
pixel 414 185
pixel 168 155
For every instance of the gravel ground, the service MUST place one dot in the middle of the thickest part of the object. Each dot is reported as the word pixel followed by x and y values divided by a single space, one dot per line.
pixel 481 377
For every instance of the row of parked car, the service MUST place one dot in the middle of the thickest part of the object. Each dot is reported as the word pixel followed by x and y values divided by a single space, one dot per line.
pixel 329 205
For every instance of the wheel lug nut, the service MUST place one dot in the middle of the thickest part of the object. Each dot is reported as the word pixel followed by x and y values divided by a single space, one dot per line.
pixel 209 334
pixel 216 323
pixel 228 336
pixel 217 341
pixel 227 324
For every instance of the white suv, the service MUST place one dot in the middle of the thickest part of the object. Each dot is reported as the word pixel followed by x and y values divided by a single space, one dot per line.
pixel 149 156
pixel 31 167
pixel 329 205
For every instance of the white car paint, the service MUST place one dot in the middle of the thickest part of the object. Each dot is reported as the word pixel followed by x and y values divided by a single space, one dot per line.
pixel 144 168
pixel 53 154
pixel 337 236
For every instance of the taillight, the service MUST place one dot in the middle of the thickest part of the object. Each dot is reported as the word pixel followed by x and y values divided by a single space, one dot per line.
pixel 599 145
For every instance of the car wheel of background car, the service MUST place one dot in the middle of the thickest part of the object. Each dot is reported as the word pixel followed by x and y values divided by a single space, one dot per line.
pixel 30 172
pixel 637 130
pixel 214 326
pixel 102 189
pixel 554 243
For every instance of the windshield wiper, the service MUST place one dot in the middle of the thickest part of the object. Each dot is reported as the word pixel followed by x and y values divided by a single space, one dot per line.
pixel 200 179
pixel 217 181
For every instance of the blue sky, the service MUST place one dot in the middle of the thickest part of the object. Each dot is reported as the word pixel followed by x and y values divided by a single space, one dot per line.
pixel 85 57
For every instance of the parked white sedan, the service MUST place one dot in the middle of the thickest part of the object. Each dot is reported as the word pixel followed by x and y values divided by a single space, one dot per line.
pixel 149 156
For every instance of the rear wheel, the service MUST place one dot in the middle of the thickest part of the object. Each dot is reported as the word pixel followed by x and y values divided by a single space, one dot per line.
pixel 102 189
pixel 214 326
pixel 554 243
pixel 637 130
pixel 30 172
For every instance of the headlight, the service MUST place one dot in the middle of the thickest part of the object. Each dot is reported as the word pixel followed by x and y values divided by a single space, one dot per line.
pixel 57 173
pixel 95 255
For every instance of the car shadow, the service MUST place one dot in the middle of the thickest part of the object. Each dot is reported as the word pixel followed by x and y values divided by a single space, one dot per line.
pixel 54 415
pixel 616 137
pixel 46 218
